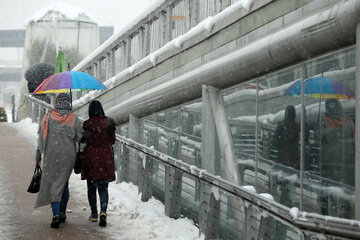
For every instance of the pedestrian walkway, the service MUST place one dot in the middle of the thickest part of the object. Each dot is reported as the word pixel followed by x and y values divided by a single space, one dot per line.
pixel 18 218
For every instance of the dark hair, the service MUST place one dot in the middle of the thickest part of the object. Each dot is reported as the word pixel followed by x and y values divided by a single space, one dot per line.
pixel 290 113
pixel 96 109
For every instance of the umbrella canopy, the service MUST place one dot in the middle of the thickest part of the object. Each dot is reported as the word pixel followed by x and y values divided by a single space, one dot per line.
pixel 321 87
pixel 69 81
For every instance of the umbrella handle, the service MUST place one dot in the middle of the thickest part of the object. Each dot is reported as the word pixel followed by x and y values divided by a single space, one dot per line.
pixel 70 98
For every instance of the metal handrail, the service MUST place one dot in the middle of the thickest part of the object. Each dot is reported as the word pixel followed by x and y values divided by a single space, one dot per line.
pixel 305 223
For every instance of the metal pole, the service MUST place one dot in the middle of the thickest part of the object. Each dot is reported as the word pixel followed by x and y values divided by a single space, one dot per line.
pixel 357 121
pixel 13 107
pixel 257 134
pixel 302 146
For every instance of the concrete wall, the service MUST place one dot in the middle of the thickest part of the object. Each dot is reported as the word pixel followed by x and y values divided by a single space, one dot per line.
pixel 227 36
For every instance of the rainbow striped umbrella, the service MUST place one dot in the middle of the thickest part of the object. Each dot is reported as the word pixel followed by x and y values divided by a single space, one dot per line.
pixel 69 81
pixel 321 87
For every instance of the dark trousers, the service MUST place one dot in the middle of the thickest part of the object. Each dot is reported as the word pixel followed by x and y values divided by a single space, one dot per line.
pixel 102 186
pixel 60 207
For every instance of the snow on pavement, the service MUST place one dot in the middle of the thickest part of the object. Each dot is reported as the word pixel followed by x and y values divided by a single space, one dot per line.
pixel 128 216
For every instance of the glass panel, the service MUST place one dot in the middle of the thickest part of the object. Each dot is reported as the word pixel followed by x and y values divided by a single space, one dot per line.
pixel 190 197
pixel 168 132
pixel 190 134
pixel 158 181
pixel 279 137
pixel 123 130
pixel 240 110
pixel 231 217
pixel 148 132
pixel 330 118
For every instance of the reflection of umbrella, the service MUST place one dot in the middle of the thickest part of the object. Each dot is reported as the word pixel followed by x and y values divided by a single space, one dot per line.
pixel 69 81
pixel 321 87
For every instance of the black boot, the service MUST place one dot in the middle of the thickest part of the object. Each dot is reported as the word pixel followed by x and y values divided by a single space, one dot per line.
pixel 55 222
pixel 62 218
pixel 102 219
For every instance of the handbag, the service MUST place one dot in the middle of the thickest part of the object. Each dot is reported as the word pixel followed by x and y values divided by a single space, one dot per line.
pixel 35 180
pixel 78 161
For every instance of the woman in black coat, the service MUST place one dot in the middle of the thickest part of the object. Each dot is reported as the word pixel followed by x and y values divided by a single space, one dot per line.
pixel 98 164
pixel 286 140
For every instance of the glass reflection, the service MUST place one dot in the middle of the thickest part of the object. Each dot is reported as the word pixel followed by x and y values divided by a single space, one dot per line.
pixel 265 126
pixel 331 117
pixel 279 137
pixel 240 109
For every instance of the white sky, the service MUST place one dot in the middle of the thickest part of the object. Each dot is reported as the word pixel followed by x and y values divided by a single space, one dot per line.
pixel 125 207
pixel 13 13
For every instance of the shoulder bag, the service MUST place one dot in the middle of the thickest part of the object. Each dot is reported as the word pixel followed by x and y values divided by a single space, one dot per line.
pixel 35 180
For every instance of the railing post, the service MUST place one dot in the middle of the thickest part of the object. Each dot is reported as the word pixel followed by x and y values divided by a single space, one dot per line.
pixel 95 70
pixel 41 113
pixel 166 21
pixel 146 39
pixel 28 108
pixel 173 180
pixel 112 62
pixel 33 112
pixel 13 108
pixel 141 44
pixel 251 223
pixel 108 65
pixel 209 213
pixel 127 52
pixel 265 228
pixel 123 55
pixel 194 13
pixel 146 178
pixel 101 72
pixel 187 15
pixel 123 166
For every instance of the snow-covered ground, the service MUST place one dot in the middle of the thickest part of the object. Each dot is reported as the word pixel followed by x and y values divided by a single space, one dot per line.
pixel 130 217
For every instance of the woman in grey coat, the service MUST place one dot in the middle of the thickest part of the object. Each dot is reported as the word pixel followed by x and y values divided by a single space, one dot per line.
pixel 58 133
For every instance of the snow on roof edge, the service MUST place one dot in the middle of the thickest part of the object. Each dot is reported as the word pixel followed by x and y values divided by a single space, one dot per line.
pixel 65 9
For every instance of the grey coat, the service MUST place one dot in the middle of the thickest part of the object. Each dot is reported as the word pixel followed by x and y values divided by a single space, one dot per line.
pixel 59 149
